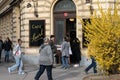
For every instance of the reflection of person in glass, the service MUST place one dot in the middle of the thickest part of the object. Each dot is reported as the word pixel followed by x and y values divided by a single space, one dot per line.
pixel 75 46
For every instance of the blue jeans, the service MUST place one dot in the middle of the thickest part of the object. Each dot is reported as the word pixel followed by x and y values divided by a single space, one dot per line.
pixel 65 62
pixel 19 63
pixel 92 65
pixel 7 53
pixel 42 69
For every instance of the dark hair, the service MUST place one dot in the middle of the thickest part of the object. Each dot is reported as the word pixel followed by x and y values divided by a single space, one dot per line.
pixel 66 39
pixel 8 38
pixel 52 36
pixel 19 40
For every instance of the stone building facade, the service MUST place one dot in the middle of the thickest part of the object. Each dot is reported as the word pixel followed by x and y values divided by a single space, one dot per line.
pixel 18 16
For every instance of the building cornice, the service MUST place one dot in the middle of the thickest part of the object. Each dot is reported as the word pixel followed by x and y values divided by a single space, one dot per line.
pixel 7 6
pixel 2 2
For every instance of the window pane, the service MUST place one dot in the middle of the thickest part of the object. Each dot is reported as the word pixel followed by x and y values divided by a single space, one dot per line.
pixel 87 1
pixel 59 31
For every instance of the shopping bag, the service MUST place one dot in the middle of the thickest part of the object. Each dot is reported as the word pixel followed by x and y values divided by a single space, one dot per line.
pixel 70 51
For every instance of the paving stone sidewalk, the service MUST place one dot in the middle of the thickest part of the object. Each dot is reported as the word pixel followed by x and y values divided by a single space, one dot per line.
pixel 58 73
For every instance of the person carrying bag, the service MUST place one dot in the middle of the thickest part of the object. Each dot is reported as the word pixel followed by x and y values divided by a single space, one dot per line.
pixel 17 55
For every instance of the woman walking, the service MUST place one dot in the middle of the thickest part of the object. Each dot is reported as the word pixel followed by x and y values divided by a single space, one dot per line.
pixel 45 60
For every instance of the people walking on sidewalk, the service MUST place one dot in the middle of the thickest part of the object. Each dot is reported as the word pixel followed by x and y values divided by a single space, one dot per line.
pixel 7 49
pixel 17 52
pixel 45 60
pixel 54 48
pixel 65 53
pixel 92 65
pixel 1 47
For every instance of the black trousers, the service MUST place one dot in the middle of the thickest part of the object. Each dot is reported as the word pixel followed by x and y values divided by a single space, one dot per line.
pixel 42 69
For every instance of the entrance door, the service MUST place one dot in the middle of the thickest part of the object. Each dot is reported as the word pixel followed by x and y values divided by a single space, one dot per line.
pixel 59 30
pixel 64 20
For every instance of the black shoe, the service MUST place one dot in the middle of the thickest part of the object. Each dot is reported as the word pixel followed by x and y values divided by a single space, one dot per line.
pixel 86 71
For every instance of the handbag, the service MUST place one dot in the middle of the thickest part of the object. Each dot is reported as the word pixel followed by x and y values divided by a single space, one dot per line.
pixel 16 52
pixel 70 51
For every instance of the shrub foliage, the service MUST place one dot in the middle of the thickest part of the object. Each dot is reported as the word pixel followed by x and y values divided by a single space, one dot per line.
pixel 103 37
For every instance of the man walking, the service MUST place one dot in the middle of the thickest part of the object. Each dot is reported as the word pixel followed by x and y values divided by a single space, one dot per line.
pixel 17 55
pixel 53 47
pixel 92 65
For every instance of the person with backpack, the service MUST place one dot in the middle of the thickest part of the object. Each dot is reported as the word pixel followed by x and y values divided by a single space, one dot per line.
pixel 17 53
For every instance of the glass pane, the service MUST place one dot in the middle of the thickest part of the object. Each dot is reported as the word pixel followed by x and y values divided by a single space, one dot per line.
pixel 87 1
pixel 59 31
pixel 65 5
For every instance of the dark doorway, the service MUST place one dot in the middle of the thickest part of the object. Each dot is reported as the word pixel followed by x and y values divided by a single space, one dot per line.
pixel 71 27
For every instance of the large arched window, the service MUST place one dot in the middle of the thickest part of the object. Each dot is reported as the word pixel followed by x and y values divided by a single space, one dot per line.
pixel 65 5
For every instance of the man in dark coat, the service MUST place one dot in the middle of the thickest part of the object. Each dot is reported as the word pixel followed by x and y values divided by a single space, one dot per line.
pixel 53 47
pixel 1 47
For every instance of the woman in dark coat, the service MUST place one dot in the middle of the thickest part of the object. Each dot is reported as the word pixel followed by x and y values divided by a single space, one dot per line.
pixel 1 47
pixel 76 52
pixel 7 48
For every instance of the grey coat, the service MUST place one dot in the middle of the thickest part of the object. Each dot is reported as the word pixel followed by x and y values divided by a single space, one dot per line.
pixel 45 57
pixel 65 48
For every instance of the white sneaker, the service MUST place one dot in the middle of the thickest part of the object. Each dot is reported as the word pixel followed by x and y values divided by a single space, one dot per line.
pixel 21 73
pixel 76 65
pixel 9 70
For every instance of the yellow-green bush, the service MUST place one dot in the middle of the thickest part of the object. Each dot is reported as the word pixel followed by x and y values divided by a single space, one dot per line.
pixel 103 35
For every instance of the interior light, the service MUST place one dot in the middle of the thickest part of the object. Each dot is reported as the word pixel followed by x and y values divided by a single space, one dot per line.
pixel 71 19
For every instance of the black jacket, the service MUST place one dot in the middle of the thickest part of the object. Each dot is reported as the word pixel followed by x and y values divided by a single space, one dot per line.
pixel 1 44
pixel 7 45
